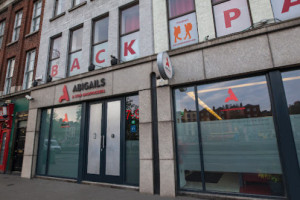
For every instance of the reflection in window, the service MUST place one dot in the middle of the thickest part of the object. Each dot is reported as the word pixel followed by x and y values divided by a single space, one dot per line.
pixel 240 149
pixel 291 82
pixel 75 53
pixel 189 168
pixel 132 140
pixel 239 143
pixel 59 152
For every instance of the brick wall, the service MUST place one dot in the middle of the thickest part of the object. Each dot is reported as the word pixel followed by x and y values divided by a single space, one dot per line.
pixel 27 41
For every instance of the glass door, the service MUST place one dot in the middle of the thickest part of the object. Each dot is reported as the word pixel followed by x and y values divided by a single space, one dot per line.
pixel 104 142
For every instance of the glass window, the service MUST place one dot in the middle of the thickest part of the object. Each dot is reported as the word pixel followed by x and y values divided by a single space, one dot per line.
pixel 59 7
pixel 75 52
pixel 77 2
pixel 100 44
pixel 183 24
pixel 36 16
pixel 43 142
pixel 2 26
pixel 130 25
pixel 9 75
pixel 62 145
pixel 17 26
pixel 240 153
pixel 55 70
pixel 132 140
pixel 187 139
pixel 29 67
pixel 285 9
pixel 180 7
pixel 130 19
pixel 231 16
pixel 291 81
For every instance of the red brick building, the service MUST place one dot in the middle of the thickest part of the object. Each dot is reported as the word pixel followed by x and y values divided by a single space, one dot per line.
pixel 28 39
pixel 20 31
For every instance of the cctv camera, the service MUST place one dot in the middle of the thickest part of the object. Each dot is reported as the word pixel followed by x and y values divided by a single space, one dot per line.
pixel 29 98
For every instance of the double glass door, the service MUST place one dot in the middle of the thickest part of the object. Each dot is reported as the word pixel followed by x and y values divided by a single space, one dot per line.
pixel 104 163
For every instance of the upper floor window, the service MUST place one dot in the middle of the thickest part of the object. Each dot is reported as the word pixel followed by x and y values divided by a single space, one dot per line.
pixel 17 26
pixel 231 16
pixel 59 7
pixel 100 44
pixel 286 9
pixel 183 23
pixel 29 67
pixel 55 71
pixel 75 53
pixel 130 26
pixel 9 75
pixel 77 2
pixel 36 16
pixel 2 26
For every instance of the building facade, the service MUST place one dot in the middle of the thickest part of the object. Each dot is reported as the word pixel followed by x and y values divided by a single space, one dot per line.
pixel 225 125
pixel 20 24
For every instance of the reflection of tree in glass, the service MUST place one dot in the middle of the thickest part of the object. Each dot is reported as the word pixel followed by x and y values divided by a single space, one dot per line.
pixel 132 117
pixel 295 108
pixel 55 53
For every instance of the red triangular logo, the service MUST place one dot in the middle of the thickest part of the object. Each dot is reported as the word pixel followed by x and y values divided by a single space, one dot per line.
pixel 231 97
pixel 65 96
pixel 66 118
pixel 167 63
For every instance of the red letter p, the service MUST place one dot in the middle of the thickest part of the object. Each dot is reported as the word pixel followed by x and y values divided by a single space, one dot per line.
pixel 228 19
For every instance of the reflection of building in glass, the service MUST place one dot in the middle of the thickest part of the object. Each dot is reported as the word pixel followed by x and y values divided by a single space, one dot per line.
pixel 295 108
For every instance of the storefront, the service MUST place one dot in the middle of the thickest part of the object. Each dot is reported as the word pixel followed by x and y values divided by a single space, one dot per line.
pixel 95 141
pixel 6 116
pixel 233 136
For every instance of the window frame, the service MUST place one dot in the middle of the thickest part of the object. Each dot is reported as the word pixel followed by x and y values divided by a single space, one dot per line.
pixel 2 29
pixel 70 52
pixel 120 18
pixel 57 2
pixel 171 18
pixel 8 78
pixel 36 17
pixel 50 52
pixel 17 28
pixel 74 3
pixel 26 80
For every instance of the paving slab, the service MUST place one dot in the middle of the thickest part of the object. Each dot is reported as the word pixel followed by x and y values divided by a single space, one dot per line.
pixel 13 187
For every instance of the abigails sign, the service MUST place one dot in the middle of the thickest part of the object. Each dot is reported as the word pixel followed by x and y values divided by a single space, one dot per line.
pixel 82 90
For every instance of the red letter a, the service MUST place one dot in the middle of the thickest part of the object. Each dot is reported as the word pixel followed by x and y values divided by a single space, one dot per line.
pixel 75 64
pixel 65 96
pixel 228 19
pixel 129 48
pixel 287 4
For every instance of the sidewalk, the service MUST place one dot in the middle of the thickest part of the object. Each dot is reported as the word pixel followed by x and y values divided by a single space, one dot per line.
pixel 14 187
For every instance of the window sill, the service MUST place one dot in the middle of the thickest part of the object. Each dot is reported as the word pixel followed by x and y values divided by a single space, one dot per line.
pixel 12 43
pixel 77 6
pixel 57 16
pixel 30 34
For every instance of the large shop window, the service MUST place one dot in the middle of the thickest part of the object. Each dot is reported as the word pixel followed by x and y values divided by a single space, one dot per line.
pixel 75 53
pixel 291 81
pixel 100 43
pixel 56 71
pixel 239 151
pixel 285 9
pixel 59 142
pixel 130 26
pixel 183 23
pixel 132 140
pixel 231 16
